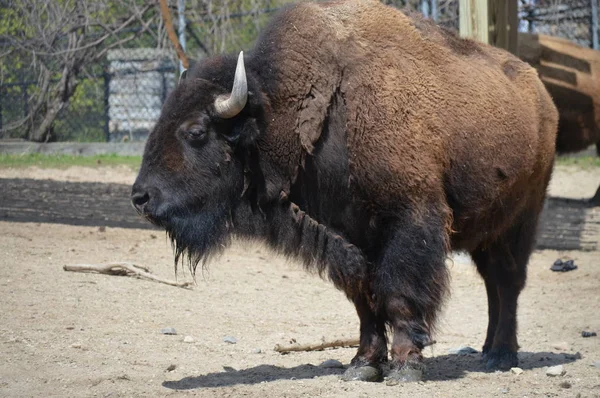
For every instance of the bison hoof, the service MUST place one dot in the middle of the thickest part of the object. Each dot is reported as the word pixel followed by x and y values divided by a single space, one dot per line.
pixel 501 360
pixel 362 373
pixel 407 373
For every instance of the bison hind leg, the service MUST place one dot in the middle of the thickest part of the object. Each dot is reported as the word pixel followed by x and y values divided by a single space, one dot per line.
pixel 503 266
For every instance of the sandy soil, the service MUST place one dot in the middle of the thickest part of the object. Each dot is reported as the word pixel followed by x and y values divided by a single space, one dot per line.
pixel 70 334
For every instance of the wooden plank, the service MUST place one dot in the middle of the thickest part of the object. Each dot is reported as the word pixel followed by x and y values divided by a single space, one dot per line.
pixel 474 19
pixel 504 23
pixel 490 21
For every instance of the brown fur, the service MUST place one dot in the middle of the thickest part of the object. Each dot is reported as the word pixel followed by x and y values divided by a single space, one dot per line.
pixel 372 145
pixel 416 107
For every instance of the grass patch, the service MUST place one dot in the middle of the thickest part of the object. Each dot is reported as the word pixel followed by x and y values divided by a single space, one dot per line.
pixel 64 161
pixel 583 162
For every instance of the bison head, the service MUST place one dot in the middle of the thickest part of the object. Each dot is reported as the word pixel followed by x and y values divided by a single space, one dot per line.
pixel 195 162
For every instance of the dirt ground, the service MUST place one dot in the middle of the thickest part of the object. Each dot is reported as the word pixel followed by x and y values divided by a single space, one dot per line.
pixel 70 334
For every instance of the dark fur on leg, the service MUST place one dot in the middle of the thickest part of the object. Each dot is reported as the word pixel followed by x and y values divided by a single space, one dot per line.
pixel 372 352
pixel 503 265
pixel 292 232
pixel 411 282
pixel 502 358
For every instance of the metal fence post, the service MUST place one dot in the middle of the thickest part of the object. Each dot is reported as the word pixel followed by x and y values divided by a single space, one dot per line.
pixel 163 94
pixel 181 28
pixel 106 76
pixel 594 24
pixel 425 8
pixel 434 10
pixel 1 98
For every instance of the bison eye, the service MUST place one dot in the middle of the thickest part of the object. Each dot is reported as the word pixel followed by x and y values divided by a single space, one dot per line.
pixel 196 134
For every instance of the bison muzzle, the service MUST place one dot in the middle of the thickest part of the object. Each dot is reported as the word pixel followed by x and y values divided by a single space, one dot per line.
pixel 370 145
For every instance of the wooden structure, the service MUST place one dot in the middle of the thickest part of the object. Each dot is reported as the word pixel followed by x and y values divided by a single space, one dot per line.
pixel 490 21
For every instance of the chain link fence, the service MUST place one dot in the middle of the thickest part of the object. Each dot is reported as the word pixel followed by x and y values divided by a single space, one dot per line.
pixel 119 97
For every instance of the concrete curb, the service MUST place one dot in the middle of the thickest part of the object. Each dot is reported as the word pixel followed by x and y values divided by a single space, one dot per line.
pixel 73 148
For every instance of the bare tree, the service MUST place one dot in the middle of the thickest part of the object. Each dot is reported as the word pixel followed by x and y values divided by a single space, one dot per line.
pixel 58 39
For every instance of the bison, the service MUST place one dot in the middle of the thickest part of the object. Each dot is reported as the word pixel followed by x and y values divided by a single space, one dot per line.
pixel 571 74
pixel 370 145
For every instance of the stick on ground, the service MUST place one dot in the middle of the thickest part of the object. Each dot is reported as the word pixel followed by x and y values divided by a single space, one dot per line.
pixel 124 269
pixel 317 347
pixel 340 343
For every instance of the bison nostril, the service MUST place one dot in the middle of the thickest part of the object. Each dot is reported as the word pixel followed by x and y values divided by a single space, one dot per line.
pixel 139 200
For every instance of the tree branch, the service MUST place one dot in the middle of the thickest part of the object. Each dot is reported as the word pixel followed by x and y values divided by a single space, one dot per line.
pixel 164 10
pixel 124 269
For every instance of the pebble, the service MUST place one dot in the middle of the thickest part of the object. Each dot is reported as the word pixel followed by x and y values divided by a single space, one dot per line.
pixel 561 346
pixel 588 334
pixel 75 345
pixel 554 371
pixel 462 351
pixel 188 339
pixel 516 371
pixel 171 368
pixel 565 384
pixel 230 340
pixel 168 331
pixel 596 364
pixel 332 363
pixel 256 351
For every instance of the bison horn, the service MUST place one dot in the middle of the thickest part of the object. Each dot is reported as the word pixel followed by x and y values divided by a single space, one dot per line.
pixel 228 106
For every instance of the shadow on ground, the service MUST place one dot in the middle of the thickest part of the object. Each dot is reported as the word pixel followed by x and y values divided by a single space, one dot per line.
pixel 441 368
pixel 72 203
pixel 562 223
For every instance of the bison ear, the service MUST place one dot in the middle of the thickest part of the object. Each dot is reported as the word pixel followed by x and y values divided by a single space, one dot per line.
pixel 244 132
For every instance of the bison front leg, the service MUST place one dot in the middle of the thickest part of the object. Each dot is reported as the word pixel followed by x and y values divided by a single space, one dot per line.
pixel 372 352
pixel 410 283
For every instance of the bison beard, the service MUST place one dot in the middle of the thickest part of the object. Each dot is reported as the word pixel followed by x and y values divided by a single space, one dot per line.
pixel 198 236
pixel 369 145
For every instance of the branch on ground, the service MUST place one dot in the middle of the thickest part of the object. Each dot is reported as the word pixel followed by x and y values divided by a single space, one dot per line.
pixel 339 343
pixel 124 269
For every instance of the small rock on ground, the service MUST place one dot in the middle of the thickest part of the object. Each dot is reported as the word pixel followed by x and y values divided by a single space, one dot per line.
pixel 256 351
pixel 462 351
pixel 597 364
pixel 230 339
pixel 563 266
pixel 516 371
pixel 561 346
pixel 588 334
pixel 565 384
pixel 188 339
pixel 331 363
pixel 554 371
pixel 170 331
